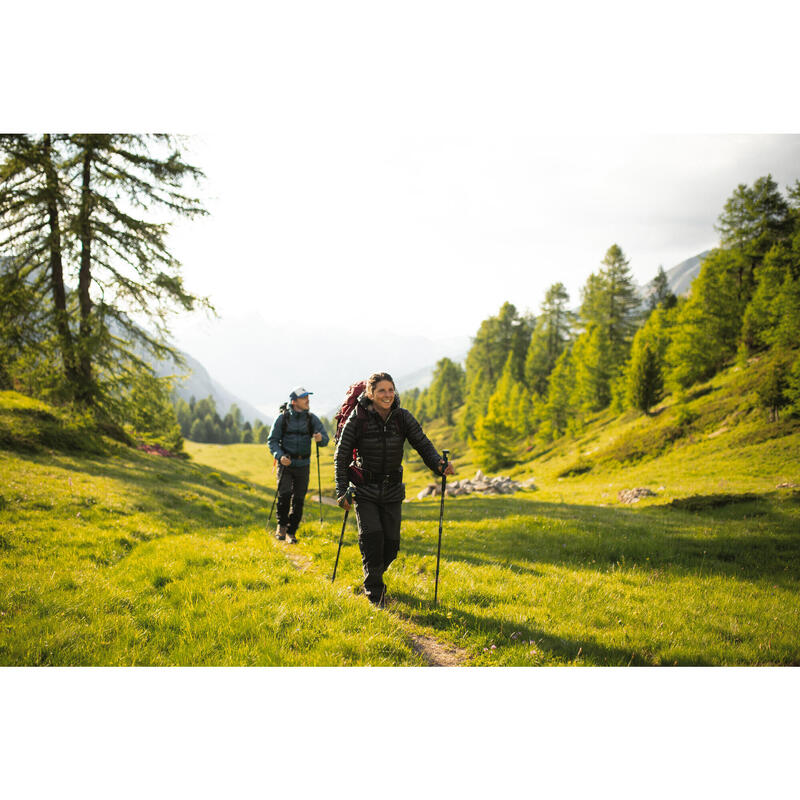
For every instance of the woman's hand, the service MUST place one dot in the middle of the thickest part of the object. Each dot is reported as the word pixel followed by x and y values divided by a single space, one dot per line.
pixel 344 502
pixel 450 468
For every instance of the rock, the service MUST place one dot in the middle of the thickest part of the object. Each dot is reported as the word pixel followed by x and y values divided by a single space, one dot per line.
pixel 499 484
pixel 628 496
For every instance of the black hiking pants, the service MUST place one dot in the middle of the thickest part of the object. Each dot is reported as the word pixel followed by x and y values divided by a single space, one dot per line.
pixel 378 540
pixel 292 489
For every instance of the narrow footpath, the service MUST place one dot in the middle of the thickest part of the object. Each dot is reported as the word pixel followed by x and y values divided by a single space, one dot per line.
pixel 435 653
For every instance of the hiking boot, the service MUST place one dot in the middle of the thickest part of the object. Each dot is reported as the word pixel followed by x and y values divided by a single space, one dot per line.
pixel 280 534
pixel 292 538
pixel 378 601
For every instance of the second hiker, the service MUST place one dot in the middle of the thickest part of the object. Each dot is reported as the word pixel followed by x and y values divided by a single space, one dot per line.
pixel 290 443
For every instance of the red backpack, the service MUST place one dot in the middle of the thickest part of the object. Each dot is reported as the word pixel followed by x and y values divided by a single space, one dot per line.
pixel 350 400
pixel 354 391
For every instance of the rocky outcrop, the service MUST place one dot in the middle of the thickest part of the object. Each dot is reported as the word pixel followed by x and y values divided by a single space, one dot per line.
pixel 480 484
pixel 634 495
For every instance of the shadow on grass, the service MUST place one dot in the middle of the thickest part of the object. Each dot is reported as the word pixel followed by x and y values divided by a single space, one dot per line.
pixel 565 649
pixel 748 537
pixel 178 492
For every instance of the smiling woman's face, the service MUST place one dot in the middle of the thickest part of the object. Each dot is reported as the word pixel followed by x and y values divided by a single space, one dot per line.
pixel 383 395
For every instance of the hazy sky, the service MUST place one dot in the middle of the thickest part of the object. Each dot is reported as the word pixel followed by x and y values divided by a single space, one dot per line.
pixel 448 156
pixel 430 234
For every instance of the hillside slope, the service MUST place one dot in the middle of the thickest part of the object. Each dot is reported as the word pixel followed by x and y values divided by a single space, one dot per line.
pixel 112 556
pixel 718 440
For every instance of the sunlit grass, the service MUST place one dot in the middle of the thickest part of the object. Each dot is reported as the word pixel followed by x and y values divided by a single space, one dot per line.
pixel 120 557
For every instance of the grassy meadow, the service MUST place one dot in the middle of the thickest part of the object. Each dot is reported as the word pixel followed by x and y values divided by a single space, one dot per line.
pixel 110 556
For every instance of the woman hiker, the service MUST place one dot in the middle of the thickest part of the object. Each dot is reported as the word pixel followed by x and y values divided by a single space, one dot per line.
pixel 378 429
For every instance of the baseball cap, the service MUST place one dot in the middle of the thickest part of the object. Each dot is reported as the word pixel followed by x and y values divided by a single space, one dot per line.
pixel 299 392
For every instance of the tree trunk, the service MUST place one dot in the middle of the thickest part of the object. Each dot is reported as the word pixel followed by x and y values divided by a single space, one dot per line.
pixel 86 389
pixel 57 269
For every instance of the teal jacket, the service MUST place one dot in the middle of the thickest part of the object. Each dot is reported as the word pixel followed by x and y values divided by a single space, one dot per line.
pixel 293 439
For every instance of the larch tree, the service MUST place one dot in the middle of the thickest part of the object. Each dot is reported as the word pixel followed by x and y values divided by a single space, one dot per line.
pixel 92 212
pixel 549 338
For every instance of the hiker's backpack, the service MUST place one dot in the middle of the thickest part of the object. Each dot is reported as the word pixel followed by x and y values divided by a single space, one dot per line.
pixel 350 401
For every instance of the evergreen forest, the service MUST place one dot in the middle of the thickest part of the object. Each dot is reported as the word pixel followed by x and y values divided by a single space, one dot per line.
pixel 529 380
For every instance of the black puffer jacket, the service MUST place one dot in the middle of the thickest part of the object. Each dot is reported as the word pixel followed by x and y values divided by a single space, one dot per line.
pixel 380 449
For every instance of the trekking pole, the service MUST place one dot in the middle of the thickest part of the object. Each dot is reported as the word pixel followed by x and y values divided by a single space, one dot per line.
pixel 348 496
pixel 445 453
pixel 319 486
pixel 277 486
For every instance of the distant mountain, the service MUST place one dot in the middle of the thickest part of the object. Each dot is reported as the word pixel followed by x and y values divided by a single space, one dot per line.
pixel 199 384
pixel 262 362
pixel 680 277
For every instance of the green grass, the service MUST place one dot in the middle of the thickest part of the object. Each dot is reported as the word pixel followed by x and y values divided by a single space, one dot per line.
pixel 132 559
pixel 126 558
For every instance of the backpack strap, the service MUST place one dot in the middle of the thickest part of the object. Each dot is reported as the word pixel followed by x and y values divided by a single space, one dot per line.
pixel 286 422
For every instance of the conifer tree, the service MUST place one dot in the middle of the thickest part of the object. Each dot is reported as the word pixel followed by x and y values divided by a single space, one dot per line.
pixel 494 441
pixel 707 325
pixel 773 391
pixel 609 313
pixel 33 198
pixel 508 332
pixel 593 370
pixel 660 293
pixel 84 205
pixel 792 390
pixel 752 220
pixel 505 421
pixel 549 338
pixel 646 382
pixel 446 391
pixel 558 411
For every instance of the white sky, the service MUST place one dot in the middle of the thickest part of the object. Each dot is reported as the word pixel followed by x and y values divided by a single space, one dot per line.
pixel 439 230
pixel 452 155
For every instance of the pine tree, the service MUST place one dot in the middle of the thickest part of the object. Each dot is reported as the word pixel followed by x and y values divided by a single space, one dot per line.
pixel 752 221
pixel 558 410
pixel 609 310
pixel 508 332
pixel 75 205
pixel 660 293
pixel 33 197
pixel 548 339
pixel 446 391
pixel 774 391
pixel 792 390
pixel 494 441
pixel 593 370
pixel 708 324
pixel 646 382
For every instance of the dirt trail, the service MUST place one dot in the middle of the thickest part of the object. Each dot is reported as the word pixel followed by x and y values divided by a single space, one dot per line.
pixel 435 653
pixel 326 501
